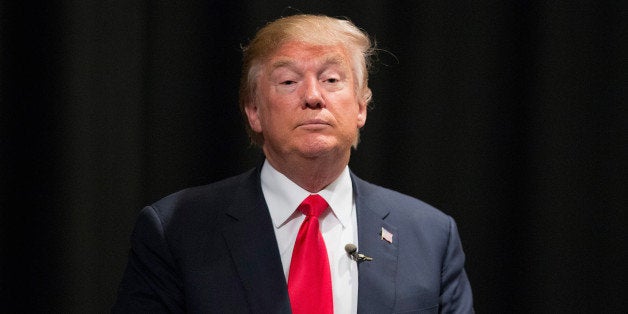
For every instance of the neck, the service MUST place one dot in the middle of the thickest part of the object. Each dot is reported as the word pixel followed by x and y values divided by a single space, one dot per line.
pixel 311 174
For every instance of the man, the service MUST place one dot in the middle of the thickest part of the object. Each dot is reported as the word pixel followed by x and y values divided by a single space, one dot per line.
pixel 249 244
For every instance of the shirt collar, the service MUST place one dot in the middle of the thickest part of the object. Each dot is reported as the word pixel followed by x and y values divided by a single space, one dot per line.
pixel 284 196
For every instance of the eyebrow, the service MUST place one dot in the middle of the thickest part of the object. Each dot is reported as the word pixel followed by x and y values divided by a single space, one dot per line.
pixel 282 64
pixel 333 59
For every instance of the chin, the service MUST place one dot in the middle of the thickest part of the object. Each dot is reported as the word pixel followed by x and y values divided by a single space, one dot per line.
pixel 321 147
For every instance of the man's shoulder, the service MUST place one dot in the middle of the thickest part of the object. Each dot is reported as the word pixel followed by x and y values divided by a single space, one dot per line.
pixel 200 198
pixel 399 204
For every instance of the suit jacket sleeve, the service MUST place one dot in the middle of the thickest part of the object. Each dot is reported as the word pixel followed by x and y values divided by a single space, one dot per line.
pixel 150 283
pixel 456 296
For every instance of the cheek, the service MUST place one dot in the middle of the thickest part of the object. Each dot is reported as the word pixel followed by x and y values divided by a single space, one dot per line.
pixel 273 117
pixel 350 110
pixel 281 109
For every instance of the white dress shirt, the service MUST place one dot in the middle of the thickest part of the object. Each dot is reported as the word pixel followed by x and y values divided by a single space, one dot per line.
pixel 338 226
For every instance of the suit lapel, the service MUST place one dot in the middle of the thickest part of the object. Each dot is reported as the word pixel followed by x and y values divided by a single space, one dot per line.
pixel 376 291
pixel 251 241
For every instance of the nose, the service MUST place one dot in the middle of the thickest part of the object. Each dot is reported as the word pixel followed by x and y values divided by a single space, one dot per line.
pixel 313 98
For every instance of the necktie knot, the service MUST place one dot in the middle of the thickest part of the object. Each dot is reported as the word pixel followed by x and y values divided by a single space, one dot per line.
pixel 313 205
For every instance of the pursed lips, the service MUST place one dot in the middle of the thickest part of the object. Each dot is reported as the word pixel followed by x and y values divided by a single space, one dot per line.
pixel 314 123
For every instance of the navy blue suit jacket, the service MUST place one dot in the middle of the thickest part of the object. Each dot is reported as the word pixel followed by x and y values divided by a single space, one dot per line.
pixel 212 249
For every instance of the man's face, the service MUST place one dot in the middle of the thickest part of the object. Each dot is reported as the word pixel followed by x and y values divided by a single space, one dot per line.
pixel 306 102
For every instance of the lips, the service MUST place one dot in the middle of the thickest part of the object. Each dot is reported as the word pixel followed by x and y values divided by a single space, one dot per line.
pixel 314 122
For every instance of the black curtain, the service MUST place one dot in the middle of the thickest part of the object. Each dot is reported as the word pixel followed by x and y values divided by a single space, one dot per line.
pixel 509 116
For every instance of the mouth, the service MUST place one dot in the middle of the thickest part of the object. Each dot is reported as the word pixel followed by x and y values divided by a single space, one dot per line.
pixel 314 124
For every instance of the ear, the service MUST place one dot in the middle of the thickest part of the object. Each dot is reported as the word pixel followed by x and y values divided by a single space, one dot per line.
pixel 361 114
pixel 252 113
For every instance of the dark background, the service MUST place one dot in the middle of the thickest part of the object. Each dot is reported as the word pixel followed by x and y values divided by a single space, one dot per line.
pixel 509 116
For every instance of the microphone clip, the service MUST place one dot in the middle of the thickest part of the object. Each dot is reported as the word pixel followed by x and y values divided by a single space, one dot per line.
pixel 352 250
pixel 358 257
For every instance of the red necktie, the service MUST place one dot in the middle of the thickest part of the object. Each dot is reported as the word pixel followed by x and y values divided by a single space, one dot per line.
pixel 309 278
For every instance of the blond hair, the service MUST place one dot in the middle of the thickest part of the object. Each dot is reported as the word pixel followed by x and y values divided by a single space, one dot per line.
pixel 311 29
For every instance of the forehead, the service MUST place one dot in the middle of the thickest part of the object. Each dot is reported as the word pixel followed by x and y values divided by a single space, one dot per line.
pixel 295 53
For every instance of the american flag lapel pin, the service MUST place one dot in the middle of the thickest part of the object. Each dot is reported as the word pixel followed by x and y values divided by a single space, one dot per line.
pixel 386 235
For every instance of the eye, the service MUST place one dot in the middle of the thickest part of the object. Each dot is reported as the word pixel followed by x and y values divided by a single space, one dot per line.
pixel 287 82
pixel 332 80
